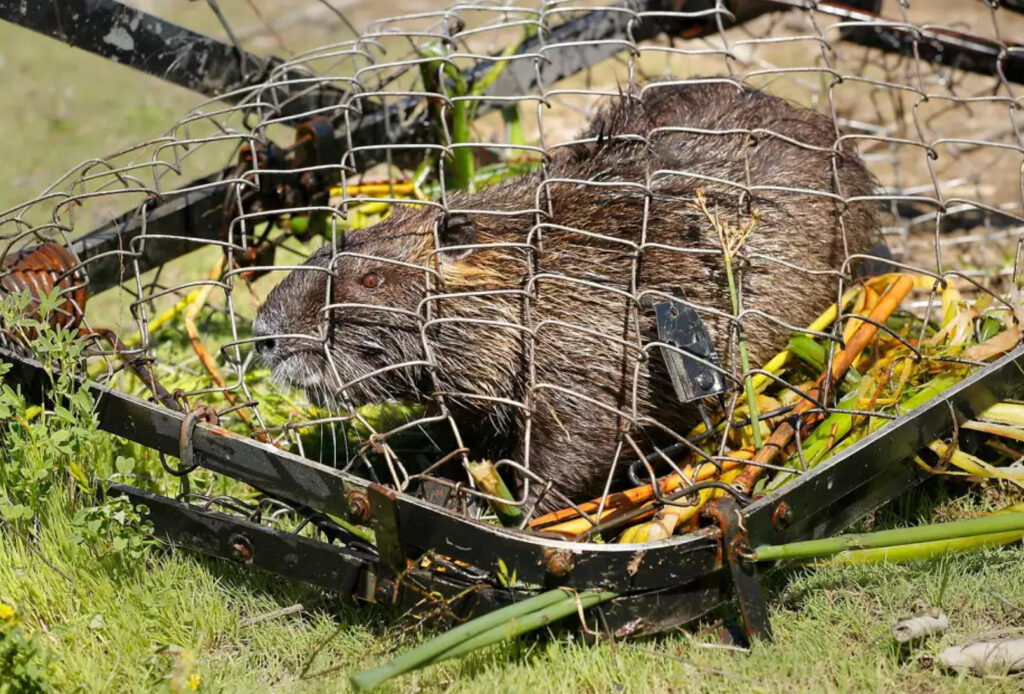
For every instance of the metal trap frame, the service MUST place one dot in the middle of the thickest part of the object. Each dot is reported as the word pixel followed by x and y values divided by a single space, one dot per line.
pixel 425 555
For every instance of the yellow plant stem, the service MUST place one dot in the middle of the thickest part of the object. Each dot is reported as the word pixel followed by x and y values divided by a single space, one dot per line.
pixel 866 301
pixel 375 190
pixel 490 482
pixel 670 518
pixel 974 466
pixel 192 330
pixel 827 318
pixel 640 496
pixel 783 434
pixel 1002 430
pixel 880 282
pixel 920 551
pixel 1009 413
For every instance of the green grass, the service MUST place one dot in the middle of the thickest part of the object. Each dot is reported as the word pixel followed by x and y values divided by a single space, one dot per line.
pixel 127 631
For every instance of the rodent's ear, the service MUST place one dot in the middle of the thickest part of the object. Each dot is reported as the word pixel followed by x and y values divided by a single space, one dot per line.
pixel 454 232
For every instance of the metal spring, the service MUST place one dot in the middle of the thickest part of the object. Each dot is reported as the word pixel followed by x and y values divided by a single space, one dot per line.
pixel 39 271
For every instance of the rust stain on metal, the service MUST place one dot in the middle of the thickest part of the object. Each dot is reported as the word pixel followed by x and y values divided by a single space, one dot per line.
pixel 634 563
pixel 782 516
pixel 241 548
pixel 358 507
pixel 557 561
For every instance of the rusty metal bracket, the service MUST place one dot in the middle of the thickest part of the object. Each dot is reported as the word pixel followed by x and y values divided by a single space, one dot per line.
pixel 737 553
pixel 188 426
pixel 385 524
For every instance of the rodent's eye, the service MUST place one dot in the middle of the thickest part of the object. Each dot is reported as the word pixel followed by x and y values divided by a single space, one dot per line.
pixel 371 280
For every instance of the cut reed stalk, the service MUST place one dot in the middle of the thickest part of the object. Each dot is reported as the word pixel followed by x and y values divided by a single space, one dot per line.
pixel 492 624
pixel 490 482
pixel 827 318
pixel 535 620
pixel 920 551
pixel 843 360
pixel 631 499
pixel 988 525
pixel 670 518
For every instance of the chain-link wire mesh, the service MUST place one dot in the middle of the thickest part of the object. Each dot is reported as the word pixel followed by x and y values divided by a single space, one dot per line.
pixel 497 239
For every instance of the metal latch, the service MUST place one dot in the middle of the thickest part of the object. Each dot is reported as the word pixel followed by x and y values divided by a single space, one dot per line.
pixel 693 377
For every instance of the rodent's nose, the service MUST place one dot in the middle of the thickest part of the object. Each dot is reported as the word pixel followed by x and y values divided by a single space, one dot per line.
pixel 265 346
pixel 265 342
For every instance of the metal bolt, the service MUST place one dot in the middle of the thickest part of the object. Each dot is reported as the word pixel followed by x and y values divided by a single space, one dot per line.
pixel 782 516
pixel 705 381
pixel 241 548
pixel 558 562
pixel 358 507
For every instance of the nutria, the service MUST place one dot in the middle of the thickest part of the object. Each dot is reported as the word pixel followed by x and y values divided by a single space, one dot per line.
pixel 568 262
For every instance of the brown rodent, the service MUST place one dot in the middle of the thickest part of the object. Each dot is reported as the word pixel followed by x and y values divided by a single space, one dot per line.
pixel 533 320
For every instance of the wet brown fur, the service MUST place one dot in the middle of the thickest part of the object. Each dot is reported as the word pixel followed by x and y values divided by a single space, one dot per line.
pixel 594 375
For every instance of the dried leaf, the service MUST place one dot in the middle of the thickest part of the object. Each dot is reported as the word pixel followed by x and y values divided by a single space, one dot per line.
pixel 911 628
pixel 993 347
pixel 997 657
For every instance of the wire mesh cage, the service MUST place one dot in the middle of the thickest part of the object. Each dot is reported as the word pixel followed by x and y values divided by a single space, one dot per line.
pixel 505 282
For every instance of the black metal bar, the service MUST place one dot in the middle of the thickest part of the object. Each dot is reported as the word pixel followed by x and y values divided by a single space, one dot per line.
pixel 930 44
pixel 230 537
pixel 830 497
pixel 160 48
pixel 558 52
pixel 303 559
pixel 820 502
pixel 424 527
pixel 583 41
pixel 139 40
pixel 224 536
pixel 1012 5
pixel 295 558
pixel 667 608
pixel 108 253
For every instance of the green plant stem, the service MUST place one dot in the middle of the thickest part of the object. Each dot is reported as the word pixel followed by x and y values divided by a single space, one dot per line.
pixel 510 115
pixel 755 422
pixel 838 425
pixel 487 175
pixel 462 164
pixel 996 523
pixel 299 224
pixel 423 171
pixel 362 533
pixel 528 623
pixel 427 652
pixel 922 550
pixel 432 73
pixel 500 625
pixel 813 353
pixel 490 482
